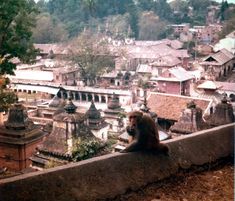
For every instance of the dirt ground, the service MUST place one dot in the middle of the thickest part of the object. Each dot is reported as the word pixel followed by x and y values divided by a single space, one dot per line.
pixel 209 184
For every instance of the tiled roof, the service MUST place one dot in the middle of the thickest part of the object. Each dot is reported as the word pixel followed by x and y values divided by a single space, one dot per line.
pixel 169 106
pixel 166 60
pixel 208 85
pixel 221 57
pixel 227 53
pixel 177 74
pixel 226 86
pixel 151 52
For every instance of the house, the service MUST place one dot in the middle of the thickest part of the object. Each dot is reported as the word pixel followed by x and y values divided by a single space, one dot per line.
pixel 146 54
pixel 180 28
pixel 174 81
pixel 116 78
pixel 163 63
pixel 206 34
pixel 66 76
pixel 221 63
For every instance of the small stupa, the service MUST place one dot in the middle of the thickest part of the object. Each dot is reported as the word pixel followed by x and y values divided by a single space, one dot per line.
pixel 96 122
pixel 190 120
pixel 223 113
pixel 112 115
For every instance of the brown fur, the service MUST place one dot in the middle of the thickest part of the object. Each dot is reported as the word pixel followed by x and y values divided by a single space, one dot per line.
pixel 144 133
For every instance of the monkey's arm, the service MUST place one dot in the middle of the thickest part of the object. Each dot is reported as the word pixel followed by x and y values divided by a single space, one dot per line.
pixel 134 146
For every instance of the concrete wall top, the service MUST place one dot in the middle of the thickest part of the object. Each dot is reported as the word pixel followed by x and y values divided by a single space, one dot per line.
pixel 113 174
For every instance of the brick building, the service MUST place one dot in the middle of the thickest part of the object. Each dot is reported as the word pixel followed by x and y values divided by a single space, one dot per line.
pixel 174 81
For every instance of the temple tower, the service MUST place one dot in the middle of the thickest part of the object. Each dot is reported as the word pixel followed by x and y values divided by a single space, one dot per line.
pixel 113 116
pixel 96 123
pixel 19 137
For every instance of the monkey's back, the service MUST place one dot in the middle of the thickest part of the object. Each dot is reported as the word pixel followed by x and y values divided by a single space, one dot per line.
pixel 150 133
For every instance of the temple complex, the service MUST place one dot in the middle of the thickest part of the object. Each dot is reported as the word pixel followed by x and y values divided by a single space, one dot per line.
pixel 68 126
pixel 19 137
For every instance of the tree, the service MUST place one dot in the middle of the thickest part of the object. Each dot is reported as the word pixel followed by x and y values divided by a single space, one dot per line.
pixel 16 21
pixel 150 27
pixel 224 7
pixel 228 23
pixel 92 56
pixel 49 30
pixel 6 97
pixel 117 25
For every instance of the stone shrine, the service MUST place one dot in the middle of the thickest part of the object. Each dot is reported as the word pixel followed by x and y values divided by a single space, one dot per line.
pixel 222 114
pixel 190 120
pixel 97 123
pixel 19 137
pixel 113 115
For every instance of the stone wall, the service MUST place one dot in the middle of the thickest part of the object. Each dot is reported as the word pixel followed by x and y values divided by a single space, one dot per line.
pixel 113 174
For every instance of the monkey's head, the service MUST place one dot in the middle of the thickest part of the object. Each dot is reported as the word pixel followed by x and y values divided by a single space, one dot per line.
pixel 134 120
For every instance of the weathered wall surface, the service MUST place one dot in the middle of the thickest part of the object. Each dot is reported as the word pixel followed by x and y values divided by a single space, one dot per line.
pixel 113 174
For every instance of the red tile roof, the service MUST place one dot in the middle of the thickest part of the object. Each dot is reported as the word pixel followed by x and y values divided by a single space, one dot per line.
pixel 169 106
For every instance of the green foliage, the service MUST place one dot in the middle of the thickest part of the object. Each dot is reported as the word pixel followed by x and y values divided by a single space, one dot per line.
pixel 199 5
pixel 224 7
pixel 16 20
pixel 51 164
pixel 6 97
pixel 84 149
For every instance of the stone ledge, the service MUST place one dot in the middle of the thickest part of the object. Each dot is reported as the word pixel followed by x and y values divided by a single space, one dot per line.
pixel 113 174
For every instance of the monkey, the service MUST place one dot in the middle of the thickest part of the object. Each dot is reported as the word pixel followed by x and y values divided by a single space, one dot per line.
pixel 144 135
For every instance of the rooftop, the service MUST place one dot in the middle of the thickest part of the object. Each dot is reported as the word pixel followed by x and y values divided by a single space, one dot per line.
pixel 158 102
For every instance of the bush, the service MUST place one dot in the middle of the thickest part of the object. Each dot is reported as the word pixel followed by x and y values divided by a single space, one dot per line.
pixel 86 149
